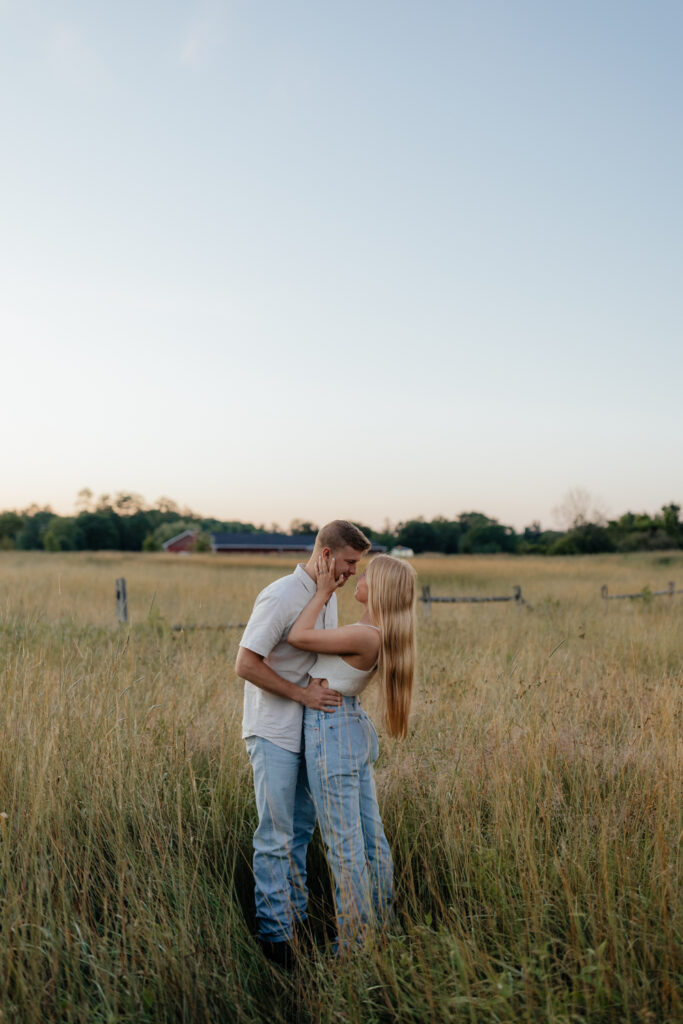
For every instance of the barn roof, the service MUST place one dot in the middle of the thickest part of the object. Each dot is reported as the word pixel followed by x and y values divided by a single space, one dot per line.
pixel 263 541
pixel 257 541
pixel 178 536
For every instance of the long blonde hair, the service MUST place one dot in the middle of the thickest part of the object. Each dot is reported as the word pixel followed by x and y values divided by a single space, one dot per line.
pixel 391 603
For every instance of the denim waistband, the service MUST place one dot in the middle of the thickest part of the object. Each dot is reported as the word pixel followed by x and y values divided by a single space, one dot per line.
pixel 348 704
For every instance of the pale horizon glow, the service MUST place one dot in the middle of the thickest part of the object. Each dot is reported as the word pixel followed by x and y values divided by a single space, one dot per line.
pixel 370 261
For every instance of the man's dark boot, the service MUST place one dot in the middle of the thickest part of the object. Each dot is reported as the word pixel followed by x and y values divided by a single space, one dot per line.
pixel 279 953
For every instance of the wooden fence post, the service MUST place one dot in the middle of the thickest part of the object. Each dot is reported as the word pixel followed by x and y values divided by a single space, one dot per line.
pixel 121 601
pixel 672 587
pixel 517 592
pixel 603 594
pixel 427 600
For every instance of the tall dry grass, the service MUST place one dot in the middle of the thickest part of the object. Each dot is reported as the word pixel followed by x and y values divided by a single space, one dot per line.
pixel 534 811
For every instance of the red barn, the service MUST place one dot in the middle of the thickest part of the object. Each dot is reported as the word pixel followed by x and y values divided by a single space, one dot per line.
pixel 184 541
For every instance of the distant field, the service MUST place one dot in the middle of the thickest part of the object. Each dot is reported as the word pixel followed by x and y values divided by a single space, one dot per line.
pixel 534 811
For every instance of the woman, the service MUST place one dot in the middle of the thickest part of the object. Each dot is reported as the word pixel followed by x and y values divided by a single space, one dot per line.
pixel 341 746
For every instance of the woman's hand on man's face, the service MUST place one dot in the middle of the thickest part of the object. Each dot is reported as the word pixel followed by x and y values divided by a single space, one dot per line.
pixel 325 576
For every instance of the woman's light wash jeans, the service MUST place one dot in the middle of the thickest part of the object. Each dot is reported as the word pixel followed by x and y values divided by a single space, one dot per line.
pixel 341 747
pixel 286 822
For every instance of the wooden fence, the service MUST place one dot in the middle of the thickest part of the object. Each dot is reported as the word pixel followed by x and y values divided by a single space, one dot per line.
pixel 121 601
pixel 221 625
pixel 122 612
pixel 428 599
pixel 644 593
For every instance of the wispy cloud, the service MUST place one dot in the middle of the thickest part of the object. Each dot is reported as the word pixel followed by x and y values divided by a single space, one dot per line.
pixel 197 45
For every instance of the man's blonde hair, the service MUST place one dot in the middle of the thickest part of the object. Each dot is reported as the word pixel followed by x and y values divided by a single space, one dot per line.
pixel 341 533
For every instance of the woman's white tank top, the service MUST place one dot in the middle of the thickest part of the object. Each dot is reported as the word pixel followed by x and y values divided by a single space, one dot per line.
pixel 341 676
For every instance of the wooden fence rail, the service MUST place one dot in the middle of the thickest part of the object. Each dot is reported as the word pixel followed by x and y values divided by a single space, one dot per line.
pixel 645 592
pixel 223 625
pixel 428 599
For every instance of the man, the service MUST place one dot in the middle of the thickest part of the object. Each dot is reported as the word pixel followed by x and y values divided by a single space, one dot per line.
pixel 276 689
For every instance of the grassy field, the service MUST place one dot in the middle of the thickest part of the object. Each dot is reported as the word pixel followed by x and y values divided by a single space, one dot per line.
pixel 534 811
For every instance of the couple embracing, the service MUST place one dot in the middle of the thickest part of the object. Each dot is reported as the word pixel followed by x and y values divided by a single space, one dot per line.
pixel 311 745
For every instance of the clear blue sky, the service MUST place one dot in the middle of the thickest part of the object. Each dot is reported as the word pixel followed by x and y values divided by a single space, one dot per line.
pixel 373 259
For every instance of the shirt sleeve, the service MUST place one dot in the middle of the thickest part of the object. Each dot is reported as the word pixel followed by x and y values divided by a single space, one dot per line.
pixel 268 623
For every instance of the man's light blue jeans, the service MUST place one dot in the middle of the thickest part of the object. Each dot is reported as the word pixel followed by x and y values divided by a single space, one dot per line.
pixel 286 822
pixel 341 747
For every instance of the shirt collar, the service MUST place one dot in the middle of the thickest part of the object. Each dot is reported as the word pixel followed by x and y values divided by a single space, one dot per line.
pixel 305 579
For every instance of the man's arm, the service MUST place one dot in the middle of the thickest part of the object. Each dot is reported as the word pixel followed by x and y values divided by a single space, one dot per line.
pixel 251 666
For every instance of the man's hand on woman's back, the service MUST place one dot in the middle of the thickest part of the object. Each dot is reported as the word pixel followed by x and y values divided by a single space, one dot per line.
pixel 319 697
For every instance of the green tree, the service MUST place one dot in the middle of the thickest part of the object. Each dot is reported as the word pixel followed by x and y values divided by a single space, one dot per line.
pixel 202 542
pixel 35 523
pixel 301 527
pixel 99 530
pixel 416 534
pixel 671 522
pixel 10 526
pixel 133 529
pixel 488 539
pixel 586 539
pixel 447 534
pixel 63 535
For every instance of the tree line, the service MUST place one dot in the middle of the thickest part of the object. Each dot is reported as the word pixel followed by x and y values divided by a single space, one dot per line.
pixel 127 523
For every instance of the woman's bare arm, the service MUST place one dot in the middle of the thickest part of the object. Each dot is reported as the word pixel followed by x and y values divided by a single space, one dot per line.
pixel 344 640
